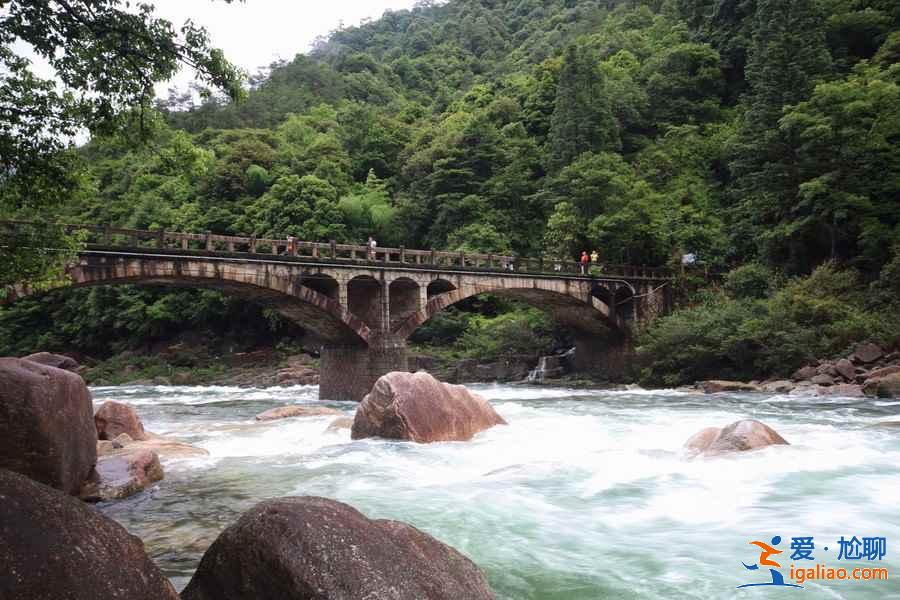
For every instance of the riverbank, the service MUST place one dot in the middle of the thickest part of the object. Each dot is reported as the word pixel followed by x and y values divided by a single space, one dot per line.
pixel 868 370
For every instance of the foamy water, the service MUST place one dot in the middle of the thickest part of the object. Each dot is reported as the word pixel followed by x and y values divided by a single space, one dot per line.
pixel 586 494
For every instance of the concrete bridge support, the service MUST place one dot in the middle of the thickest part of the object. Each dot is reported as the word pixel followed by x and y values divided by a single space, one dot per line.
pixel 349 372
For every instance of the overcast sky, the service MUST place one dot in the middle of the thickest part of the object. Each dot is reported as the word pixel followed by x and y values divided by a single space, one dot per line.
pixel 256 32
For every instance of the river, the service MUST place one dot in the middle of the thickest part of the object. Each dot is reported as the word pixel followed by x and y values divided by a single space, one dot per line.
pixel 585 495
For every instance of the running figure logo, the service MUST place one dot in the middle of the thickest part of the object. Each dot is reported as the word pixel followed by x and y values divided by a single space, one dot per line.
pixel 765 561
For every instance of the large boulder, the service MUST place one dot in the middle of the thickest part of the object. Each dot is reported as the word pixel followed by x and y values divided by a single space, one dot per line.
pixel 53 360
pixel 418 407
pixel 46 424
pixel 780 386
pixel 823 379
pixel 701 440
pixel 715 386
pixel 55 546
pixel 804 373
pixel 309 547
pixel 119 476
pixel 867 353
pixel 883 387
pixel 883 372
pixel 740 436
pixel 296 410
pixel 845 369
pixel 114 418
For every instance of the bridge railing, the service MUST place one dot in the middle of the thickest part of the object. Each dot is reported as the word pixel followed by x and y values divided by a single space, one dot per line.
pixel 99 237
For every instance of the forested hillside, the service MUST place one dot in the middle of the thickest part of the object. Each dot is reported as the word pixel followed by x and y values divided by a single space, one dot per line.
pixel 761 135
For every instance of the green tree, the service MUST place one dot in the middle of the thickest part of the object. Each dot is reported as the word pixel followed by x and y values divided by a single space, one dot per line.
pixel 787 58
pixel 107 60
pixel 582 118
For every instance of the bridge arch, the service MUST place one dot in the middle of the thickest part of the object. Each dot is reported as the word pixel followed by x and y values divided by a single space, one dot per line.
pixel 572 306
pixel 438 287
pixel 324 284
pixel 403 299
pixel 268 285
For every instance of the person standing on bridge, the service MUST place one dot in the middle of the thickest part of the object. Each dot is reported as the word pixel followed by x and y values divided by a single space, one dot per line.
pixel 595 262
pixel 584 262
pixel 372 244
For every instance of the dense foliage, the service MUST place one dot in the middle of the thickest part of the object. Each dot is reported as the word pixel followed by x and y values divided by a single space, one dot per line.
pixel 760 132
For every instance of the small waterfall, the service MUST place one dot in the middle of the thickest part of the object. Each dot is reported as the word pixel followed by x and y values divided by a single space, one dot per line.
pixel 538 373
pixel 549 367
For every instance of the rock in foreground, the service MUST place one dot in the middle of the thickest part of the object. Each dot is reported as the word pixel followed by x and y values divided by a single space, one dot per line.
pixel 418 407
pixel 122 475
pixel 114 418
pixel 46 424
pixel 54 546
pixel 53 360
pixel 285 412
pixel 740 436
pixel 305 548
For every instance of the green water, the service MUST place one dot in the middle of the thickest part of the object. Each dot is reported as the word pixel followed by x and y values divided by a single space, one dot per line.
pixel 585 494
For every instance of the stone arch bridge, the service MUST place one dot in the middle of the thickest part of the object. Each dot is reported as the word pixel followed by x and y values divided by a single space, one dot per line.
pixel 360 305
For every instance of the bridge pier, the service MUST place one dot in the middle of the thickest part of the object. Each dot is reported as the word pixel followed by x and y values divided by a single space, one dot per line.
pixel 349 372
pixel 607 357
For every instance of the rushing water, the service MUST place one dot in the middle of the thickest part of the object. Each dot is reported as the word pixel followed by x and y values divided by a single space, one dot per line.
pixel 585 494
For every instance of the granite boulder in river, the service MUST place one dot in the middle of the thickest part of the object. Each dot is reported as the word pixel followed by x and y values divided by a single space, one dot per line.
pixel 53 546
pixel 419 408
pixel 46 424
pixel 740 436
pixel 308 547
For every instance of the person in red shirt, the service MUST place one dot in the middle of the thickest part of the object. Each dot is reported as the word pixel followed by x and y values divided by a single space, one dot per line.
pixel 585 259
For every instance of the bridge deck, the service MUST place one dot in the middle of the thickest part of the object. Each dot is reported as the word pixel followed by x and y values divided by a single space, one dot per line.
pixel 111 241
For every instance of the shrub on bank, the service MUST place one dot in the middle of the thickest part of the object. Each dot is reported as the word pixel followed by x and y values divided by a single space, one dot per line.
pixel 743 333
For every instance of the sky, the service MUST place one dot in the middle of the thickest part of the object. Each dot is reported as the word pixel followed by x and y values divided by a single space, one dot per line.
pixel 254 33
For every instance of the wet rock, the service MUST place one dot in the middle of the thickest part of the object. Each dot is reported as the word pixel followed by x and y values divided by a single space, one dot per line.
pixel 297 376
pixel 119 476
pixel 53 360
pixel 53 546
pixel 114 418
pixel 46 424
pixel 304 548
pixel 339 424
pixel 883 372
pixel 845 369
pixel 418 407
pixel 867 353
pixel 883 387
pixel 715 386
pixel 740 436
pixel 105 447
pixel 164 447
pixel 827 369
pixel 851 390
pixel 781 386
pixel 701 440
pixel 823 379
pixel 295 410
pixel 804 373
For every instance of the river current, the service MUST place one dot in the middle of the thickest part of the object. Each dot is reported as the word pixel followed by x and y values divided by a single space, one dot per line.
pixel 585 495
